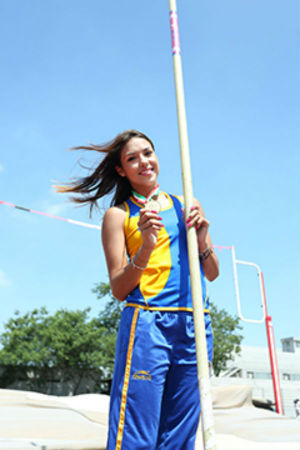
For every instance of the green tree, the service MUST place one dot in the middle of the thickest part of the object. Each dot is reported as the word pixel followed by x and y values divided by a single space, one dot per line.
pixel 226 328
pixel 227 339
pixel 67 347
pixel 109 317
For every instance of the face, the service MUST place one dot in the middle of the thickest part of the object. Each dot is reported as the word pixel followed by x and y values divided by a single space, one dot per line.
pixel 139 164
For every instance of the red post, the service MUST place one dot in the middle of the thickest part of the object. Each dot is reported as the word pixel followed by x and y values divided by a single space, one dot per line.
pixel 272 351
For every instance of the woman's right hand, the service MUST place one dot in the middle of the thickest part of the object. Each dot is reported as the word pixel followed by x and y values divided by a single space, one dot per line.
pixel 149 224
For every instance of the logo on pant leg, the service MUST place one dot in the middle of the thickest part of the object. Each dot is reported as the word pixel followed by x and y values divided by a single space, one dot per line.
pixel 142 375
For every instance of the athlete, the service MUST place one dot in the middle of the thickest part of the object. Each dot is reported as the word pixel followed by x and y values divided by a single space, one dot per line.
pixel 154 397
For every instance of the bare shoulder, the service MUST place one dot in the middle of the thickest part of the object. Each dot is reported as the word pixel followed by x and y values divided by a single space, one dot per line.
pixel 120 206
pixel 114 216
pixel 113 238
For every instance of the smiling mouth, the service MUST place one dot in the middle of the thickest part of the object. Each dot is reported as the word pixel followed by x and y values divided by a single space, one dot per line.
pixel 146 171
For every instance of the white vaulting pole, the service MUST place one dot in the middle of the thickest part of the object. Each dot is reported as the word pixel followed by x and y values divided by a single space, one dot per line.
pixel 208 432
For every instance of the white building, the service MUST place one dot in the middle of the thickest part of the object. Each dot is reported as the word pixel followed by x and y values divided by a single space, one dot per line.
pixel 252 367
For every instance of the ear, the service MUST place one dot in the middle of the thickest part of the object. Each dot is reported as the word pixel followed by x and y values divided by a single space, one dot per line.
pixel 120 171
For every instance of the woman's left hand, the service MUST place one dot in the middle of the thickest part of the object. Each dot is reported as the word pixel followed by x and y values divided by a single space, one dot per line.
pixel 197 219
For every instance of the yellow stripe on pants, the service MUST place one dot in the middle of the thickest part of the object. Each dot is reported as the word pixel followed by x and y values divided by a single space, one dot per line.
pixel 126 380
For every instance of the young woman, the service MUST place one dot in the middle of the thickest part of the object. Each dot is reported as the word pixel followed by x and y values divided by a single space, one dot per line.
pixel 154 397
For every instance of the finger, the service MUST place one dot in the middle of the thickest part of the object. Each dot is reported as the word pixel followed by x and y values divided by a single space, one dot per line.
pixel 191 223
pixel 193 218
pixel 145 214
pixel 153 227
pixel 150 223
pixel 198 222
pixel 194 211
pixel 146 211
pixel 146 217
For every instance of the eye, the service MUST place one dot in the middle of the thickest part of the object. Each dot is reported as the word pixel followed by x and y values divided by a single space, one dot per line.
pixel 148 152
pixel 131 158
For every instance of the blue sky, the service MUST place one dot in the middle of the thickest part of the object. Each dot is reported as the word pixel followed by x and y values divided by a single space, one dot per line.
pixel 75 72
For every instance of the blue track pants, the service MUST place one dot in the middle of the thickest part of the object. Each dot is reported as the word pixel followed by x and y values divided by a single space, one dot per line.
pixel 155 398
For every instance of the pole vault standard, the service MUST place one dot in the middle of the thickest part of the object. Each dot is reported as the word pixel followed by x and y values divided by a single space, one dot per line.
pixel 208 432
pixel 268 322
pixel 265 318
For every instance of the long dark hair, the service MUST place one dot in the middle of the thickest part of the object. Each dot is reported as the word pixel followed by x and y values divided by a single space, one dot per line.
pixel 104 178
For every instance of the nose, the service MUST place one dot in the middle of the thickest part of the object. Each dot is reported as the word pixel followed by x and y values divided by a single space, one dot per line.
pixel 143 159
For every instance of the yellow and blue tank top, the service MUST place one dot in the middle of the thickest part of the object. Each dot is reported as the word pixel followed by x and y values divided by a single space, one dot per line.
pixel 165 283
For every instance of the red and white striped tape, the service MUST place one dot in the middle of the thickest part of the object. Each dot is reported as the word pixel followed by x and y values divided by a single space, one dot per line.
pixel 52 216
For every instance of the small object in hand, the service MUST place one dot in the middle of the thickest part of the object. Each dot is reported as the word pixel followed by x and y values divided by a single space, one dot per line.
pixel 153 205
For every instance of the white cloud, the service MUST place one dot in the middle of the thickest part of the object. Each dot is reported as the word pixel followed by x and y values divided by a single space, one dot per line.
pixel 4 280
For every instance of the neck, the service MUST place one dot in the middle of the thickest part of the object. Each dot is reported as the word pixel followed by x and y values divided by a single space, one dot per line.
pixel 143 195
pixel 144 191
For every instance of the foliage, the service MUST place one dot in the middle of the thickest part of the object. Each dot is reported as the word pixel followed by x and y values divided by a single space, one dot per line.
pixel 67 347
pixel 109 318
pixel 226 338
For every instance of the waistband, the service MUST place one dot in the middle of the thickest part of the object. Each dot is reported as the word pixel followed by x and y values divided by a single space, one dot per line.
pixel 163 308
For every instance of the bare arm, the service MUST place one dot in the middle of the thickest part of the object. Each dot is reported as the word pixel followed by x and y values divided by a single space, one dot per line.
pixel 123 275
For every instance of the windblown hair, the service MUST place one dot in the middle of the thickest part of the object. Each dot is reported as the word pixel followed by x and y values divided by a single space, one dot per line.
pixel 104 179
